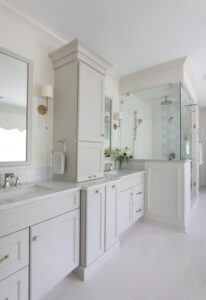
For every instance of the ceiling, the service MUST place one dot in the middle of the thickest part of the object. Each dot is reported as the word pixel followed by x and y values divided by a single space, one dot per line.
pixel 131 34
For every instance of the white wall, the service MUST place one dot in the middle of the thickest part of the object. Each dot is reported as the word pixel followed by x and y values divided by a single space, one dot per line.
pixel 23 39
pixel 19 36
pixel 202 124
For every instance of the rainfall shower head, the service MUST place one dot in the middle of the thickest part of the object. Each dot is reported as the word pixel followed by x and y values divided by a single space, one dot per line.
pixel 166 101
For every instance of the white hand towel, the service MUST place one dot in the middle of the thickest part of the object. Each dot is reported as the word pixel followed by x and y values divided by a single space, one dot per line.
pixel 58 162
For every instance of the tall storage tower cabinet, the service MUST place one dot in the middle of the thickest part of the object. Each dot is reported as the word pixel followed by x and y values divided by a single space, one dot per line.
pixel 79 75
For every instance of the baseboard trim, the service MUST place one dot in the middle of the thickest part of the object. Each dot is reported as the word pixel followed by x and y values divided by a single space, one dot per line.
pixel 85 272
pixel 176 227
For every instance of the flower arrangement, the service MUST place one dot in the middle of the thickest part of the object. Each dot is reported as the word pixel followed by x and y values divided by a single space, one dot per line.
pixel 121 155
pixel 107 152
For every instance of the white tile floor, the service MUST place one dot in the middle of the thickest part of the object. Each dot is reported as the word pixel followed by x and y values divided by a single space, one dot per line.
pixel 153 264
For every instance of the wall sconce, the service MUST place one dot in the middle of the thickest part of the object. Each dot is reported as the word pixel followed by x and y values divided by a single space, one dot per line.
pixel 118 116
pixel 47 92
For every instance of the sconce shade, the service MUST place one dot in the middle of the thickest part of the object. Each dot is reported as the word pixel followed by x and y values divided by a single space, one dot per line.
pixel 47 91
pixel 118 116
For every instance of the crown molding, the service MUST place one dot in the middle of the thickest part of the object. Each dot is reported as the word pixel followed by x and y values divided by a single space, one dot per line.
pixel 44 30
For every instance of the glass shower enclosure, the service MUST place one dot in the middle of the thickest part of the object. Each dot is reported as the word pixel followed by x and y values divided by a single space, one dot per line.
pixel 159 124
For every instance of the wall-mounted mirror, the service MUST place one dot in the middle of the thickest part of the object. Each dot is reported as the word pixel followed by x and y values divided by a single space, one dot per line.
pixel 107 127
pixel 15 107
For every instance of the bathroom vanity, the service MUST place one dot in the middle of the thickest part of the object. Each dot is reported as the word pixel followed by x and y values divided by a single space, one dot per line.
pixel 109 207
pixel 41 240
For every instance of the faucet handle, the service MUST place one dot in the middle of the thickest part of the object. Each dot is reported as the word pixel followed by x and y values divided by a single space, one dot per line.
pixel 9 175
pixel 17 183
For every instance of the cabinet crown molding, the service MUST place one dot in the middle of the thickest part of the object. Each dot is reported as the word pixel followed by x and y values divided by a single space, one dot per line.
pixel 76 50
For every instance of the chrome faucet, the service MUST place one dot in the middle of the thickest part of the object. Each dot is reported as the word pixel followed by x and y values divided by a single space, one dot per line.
pixel 107 167
pixel 7 177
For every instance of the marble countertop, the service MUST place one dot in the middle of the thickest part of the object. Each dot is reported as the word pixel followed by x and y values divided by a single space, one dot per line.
pixel 30 192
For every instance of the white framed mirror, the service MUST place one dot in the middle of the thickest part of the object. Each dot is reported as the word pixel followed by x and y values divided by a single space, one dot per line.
pixel 108 127
pixel 15 109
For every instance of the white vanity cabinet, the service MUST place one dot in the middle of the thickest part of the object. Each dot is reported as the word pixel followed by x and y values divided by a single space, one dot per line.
pixel 90 160
pixel 39 242
pixel 91 105
pixel 130 206
pixel 111 202
pixel 124 209
pixel 92 224
pixel 79 76
pixel 54 252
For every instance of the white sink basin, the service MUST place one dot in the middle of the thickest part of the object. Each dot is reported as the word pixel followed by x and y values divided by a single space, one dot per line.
pixel 15 194
pixel 118 173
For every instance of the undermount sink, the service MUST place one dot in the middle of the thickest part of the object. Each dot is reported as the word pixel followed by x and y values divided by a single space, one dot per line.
pixel 15 194
pixel 118 173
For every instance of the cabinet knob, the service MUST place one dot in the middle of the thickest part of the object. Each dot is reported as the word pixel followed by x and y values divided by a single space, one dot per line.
pixel 94 176
pixel 113 186
pixel 89 177
pixel 5 257
pixel 102 134
pixel 97 191
pixel 35 238
pixel 138 210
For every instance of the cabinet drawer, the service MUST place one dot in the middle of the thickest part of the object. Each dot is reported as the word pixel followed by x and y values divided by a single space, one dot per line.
pixel 138 210
pixel 138 193
pixel 14 252
pixel 26 215
pixel 131 181
pixel 15 287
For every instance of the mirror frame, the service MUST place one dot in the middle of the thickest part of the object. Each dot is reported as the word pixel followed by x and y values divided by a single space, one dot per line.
pixel 28 110
pixel 111 120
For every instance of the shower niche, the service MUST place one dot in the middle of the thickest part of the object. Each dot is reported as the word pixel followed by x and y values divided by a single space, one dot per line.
pixel 157 123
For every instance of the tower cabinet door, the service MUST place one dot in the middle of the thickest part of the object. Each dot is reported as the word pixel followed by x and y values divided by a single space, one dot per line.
pixel 124 209
pixel 90 161
pixel 92 225
pixel 54 252
pixel 91 105
pixel 111 234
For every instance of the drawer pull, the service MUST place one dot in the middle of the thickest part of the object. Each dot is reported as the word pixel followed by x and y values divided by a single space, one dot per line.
pixel 4 258
pixel 94 176
pixel 35 238
pixel 139 193
pixel 89 177
pixel 138 210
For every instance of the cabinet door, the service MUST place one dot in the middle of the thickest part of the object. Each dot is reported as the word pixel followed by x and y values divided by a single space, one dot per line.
pixel 94 212
pixel 15 287
pixel 54 252
pixel 91 105
pixel 124 209
pixel 90 161
pixel 111 235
